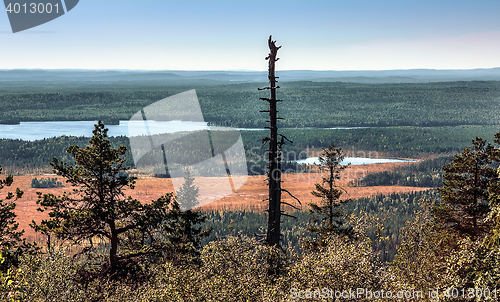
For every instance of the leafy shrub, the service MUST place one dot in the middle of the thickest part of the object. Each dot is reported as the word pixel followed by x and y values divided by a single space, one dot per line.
pixel 232 269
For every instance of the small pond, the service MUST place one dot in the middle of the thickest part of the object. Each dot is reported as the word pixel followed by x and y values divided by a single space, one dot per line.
pixel 357 161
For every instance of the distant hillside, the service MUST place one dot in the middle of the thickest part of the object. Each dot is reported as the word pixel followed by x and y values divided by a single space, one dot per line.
pixel 18 78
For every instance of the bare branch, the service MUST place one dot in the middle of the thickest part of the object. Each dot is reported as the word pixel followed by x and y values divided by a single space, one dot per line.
pixel 291 195
pixel 287 215
pixel 291 205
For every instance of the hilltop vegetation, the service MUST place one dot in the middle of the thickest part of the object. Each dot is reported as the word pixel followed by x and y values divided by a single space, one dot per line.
pixel 394 210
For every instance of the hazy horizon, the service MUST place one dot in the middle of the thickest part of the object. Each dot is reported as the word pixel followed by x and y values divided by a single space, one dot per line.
pixel 248 70
pixel 220 35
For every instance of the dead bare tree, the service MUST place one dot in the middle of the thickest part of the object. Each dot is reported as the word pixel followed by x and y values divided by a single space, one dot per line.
pixel 273 235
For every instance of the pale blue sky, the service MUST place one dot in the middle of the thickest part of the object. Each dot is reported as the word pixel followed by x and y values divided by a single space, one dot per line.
pixel 232 35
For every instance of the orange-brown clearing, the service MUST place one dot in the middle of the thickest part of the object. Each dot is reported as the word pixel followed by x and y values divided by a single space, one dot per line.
pixel 249 197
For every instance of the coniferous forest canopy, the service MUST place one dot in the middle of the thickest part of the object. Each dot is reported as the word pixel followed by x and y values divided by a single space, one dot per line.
pixel 406 142
pixel 308 104
pixel 443 239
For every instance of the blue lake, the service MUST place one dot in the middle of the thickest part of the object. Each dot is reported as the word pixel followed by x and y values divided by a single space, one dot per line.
pixel 31 131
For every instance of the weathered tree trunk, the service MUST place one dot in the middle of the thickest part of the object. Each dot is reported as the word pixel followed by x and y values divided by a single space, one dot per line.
pixel 114 246
pixel 274 173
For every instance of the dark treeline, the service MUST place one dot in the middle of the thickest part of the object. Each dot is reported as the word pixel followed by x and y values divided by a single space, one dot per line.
pixel 397 141
pixel 20 156
pixel 428 173
pixel 44 183
pixel 309 104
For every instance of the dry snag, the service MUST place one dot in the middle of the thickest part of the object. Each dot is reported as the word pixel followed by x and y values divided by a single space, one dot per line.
pixel 274 151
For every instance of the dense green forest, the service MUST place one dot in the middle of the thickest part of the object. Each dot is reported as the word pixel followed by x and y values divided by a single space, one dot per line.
pixel 404 142
pixel 457 112
pixel 308 104
pixel 20 156
pixel 394 211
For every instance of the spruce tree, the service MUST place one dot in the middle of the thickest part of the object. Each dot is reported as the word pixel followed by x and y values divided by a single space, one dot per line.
pixel 187 195
pixel 465 204
pixel 329 210
pixel 183 229
pixel 184 234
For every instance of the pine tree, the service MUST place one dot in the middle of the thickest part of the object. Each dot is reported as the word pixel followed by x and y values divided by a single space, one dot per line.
pixel 12 245
pixel 9 235
pixel 98 208
pixel 494 198
pixel 330 208
pixel 465 204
